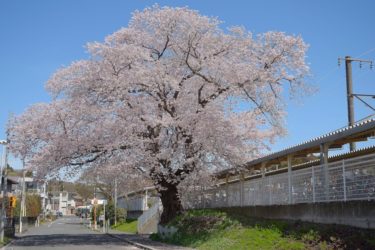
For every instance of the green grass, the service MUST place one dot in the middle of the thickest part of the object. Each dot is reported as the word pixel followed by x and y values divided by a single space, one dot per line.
pixel 6 241
pixel 250 238
pixel 208 229
pixel 213 229
pixel 129 226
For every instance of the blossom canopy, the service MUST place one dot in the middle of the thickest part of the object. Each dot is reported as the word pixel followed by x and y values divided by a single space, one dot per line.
pixel 169 95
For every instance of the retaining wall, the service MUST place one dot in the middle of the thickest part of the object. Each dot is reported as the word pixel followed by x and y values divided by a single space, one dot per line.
pixel 353 213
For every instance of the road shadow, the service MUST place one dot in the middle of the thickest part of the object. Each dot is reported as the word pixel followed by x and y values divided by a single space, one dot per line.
pixel 144 239
pixel 66 239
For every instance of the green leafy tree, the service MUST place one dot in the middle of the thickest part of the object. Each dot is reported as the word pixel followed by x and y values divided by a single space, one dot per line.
pixel 33 206
pixel 110 213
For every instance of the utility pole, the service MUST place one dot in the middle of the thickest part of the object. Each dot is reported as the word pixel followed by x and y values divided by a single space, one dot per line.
pixel 23 195
pixel 5 194
pixel 4 187
pixel 115 201
pixel 104 218
pixel 95 203
pixel 349 89
pixel 44 198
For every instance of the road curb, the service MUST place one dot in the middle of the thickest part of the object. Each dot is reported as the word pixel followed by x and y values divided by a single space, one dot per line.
pixel 132 242
pixel 4 247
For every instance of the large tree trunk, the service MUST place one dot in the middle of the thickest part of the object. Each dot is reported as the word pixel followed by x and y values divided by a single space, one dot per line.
pixel 171 203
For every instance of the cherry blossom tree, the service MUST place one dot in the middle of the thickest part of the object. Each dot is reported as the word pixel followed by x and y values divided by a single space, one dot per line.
pixel 106 177
pixel 169 95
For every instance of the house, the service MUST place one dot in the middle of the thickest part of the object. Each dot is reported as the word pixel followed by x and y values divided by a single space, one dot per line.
pixel 61 201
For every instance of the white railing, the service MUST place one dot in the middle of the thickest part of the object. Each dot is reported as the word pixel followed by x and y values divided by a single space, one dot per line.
pixel 148 215
pixel 351 179
pixel 138 203
pixel 133 203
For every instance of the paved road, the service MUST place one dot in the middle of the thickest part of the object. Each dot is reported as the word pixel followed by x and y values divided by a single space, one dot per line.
pixel 66 233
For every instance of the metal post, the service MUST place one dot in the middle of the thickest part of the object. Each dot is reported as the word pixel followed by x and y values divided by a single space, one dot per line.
pixel 45 200
pixel 270 190
pixel 115 201
pixel 349 94
pixel 104 219
pixel 95 203
pixel 263 193
pixel 290 195
pixel 323 163
pixel 344 178
pixel 95 225
pixel 23 194
pixel 4 187
pixel 241 190
pixel 313 182
pixel 227 189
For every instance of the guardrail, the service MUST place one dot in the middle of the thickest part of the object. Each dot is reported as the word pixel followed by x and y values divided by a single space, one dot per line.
pixel 350 179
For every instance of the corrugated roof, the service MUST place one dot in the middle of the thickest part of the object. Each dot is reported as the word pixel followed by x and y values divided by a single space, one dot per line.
pixel 333 158
pixel 317 141
pixel 339 134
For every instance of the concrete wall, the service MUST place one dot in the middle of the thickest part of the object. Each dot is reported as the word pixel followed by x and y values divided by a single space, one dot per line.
pixel 151 226
pixel 352 213
pixel 137 203
pixel 133 214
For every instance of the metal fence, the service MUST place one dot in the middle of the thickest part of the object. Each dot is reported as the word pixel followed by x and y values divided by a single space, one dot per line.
pixel 350 179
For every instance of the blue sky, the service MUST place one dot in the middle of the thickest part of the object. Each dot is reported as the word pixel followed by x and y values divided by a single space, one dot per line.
pixel 38 37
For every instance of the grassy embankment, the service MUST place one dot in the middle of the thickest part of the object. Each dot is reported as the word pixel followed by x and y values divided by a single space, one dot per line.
pixel 6 241
pixel 210 229
pixel 129 226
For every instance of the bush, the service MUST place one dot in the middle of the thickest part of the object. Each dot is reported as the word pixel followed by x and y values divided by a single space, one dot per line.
pixel 33 206
pixel 110 213
pixel 50 217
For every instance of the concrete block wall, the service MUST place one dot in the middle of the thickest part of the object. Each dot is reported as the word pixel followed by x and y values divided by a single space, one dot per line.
pixel 352 213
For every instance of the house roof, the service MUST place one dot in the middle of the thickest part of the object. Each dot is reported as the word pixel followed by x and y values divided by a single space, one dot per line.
pixel 12 179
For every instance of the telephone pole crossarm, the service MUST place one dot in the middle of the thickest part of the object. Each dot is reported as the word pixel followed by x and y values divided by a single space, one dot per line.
pixel 349 89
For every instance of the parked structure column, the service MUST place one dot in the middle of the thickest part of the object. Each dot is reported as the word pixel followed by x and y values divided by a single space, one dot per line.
pixel 290 188
pixel 313 182
pixel 227 189
pixel 324 163
pixel 242 193
pixel 344 178
pixel 263 191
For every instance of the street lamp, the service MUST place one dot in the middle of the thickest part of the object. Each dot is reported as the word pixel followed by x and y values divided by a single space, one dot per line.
pixel 4 185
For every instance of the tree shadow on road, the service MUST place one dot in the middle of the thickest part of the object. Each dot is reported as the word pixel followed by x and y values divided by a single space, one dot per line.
pixel 66 239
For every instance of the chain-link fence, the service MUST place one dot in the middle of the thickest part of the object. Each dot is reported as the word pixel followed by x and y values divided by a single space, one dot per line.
pixel 350 179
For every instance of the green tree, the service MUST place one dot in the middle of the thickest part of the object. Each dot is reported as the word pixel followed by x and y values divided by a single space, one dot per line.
pixel 33 206
pixel 110 213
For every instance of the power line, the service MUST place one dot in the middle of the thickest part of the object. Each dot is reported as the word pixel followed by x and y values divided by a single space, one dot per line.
pixel 366 52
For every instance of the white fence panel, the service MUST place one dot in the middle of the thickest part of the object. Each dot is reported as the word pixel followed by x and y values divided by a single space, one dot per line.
pixel 345 180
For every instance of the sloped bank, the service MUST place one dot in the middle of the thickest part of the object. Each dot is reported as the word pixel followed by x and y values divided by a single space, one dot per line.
pixel 219 229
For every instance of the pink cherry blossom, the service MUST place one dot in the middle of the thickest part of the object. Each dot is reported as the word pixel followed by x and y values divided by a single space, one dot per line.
pixel 169 96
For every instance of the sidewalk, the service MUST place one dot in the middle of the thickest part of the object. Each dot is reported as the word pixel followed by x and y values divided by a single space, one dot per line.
pixel 143 241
